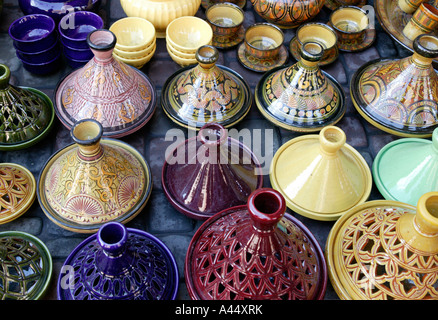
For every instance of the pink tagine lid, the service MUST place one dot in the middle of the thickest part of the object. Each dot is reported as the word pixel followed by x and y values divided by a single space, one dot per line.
pixel 120 97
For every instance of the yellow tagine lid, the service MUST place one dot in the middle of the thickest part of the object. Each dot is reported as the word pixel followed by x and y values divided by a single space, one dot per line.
pixel 321 176
pixel 386 250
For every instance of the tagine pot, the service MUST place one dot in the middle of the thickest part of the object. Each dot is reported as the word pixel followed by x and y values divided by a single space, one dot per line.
pixel 400 96
pixel 385 250
pixel 301 97
pixel 209 173
pixel 93 181
pixel 120 97
pixel 26 114
pixel 206 93
pixel 255 251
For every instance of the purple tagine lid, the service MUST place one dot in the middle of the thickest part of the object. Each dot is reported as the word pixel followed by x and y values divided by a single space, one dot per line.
pixel 119 263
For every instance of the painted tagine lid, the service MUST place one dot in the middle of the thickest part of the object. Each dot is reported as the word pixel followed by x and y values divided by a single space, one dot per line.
pixel 386 250
pixel 119 263
pixel 255 251
pixel 120 97
pixel 301 97
pixel 206 93
pixel 26 266
pixel 26 114
pixel 93 181
pixel 321 176
pixel 209 173
pixel 400 96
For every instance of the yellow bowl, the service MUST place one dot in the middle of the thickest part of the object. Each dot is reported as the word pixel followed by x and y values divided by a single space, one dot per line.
pixel 135 54
pixel 182 61
pixel 137 63
pixel 133 33
pixel 187 34
pixel 179 53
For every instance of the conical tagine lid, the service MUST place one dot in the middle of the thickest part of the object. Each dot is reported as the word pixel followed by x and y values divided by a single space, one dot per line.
pixel 93 181
pixel 301 97
pixel 119 263
pixel 26 114
pixel 400 96
pixel 321 176
pixel 209 173
pixel 206 93
pixel 257 252
pixel 120 97
pixel 386 250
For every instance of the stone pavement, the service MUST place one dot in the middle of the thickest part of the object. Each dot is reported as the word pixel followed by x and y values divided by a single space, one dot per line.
pixel 159 218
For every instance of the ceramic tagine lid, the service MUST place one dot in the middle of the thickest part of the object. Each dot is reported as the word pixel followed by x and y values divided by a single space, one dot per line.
pixel 120 97
pixel 386 250
pixel 26 114
pixel 209 173
pixel 119 263
pixel 400 96
pixel 26 266
pixel 93 181
pixel 301 97
pixel 206 93
pixel 255 251
pixel 321 176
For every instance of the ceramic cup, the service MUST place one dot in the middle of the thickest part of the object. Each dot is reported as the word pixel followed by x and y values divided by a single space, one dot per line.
pixel 409 6
pixel 225 19
pixel 424 20
pixel 350 23
pixel 319 33
pixel 263 40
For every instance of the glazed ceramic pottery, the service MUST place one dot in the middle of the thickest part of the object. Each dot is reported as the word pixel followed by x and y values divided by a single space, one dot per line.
pixel 321 176
pixel 400 96
pixel 26 266
pixel 385 250
pixel 133 35
pixel 206 93
pixel 301 97
pixel 93 181
pixel 257 252
pixel 209 173
pixel 405 169
pixel 121 98
pixel 26 114
pixel 119 263
pixel 424 20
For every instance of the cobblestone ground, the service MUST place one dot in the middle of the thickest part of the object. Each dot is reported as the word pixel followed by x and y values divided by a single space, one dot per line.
pixel 159 218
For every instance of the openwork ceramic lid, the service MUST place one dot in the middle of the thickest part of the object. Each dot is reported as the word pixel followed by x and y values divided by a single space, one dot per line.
pixel 400 96
pixel 256 252
pixel 321 176
pixel 26 266
pixel 206 93
pixel 93 181
pixel 26 114
pixel 209 173
pixel 17 191
pixel 386 250
pixel 119 263
pixel 301 97
pixel 120 97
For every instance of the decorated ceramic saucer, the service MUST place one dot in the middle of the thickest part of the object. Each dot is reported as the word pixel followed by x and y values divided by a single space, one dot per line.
pixel 295 51
pixel 229 42
pixel 355 45
pixel 206 3
pixel 261 65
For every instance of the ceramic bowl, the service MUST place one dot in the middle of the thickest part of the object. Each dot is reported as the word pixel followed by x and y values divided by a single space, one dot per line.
pixel 33 33
pixel 183 62
pixel 75 27
pixel 75 63
pixel 263 40
pixel 43 68
pixel 350 23
pixel 179 53
pixel 225 19
pixel 138 62
pixel 187 34
pixel 39 57
pixel 136 54
pixel 77 54
pixel 133 34
pixel 320 33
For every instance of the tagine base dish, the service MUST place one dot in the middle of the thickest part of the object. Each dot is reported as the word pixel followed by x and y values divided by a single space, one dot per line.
pixel 355 45
pixel 229 42
pixel 207 3
pixel 295 52
pixel 261 65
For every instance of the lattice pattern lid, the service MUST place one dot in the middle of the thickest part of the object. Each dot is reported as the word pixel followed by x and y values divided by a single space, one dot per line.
pixel 256 252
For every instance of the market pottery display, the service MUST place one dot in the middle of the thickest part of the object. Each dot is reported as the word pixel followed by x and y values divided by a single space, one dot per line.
pixel 255 251
pixel 120 97
pixel 206 93
pixel 301 97
pixel 93 181
pixel 385 250
pixel 119 263
pixel 424 20
pixel 400 96
pixel 26 266
pixel 209 173
pixel 321 176
pixel 26 114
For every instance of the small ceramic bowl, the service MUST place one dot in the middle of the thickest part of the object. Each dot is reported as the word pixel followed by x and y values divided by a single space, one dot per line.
pixel 39 57
pixel 75 27
pixel 350 23
pixel 187 34
pixel 33 33
pixel 77 54
pixel 133 34
pixel 225 19
pixel 320 33
pixel 263 40
pixel 75 63
pixel 135 54
pixel 43 68
pixel 139 62
pixel 179 53
pixel 183 62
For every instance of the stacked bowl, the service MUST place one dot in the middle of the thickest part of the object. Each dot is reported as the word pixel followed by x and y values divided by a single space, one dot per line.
pixel 136 41
pixel 74 29
pixel 36 43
